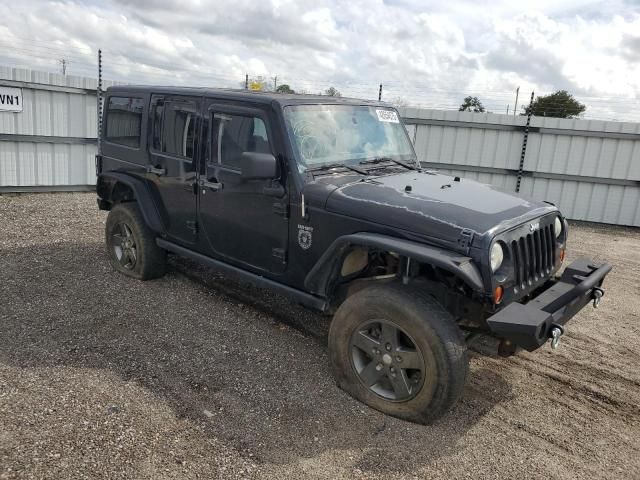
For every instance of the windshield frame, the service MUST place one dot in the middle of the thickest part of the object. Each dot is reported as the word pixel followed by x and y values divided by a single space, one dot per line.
pixel 301 167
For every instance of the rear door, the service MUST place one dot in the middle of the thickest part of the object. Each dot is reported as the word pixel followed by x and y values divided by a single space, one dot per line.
pixel 242 221
pixel 174 145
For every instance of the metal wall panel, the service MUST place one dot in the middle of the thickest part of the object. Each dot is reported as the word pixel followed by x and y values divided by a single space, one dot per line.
pixel 590 169
pixel 56 108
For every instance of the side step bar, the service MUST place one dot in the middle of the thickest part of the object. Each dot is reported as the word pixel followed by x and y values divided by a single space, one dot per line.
pixel 297 295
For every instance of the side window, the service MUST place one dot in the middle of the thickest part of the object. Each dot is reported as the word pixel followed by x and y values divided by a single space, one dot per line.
pixel 158 111
pixel 124 120
pixel 174 128
pixel 236 134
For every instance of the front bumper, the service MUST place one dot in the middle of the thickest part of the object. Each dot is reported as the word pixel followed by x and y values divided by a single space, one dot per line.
pixel 529 325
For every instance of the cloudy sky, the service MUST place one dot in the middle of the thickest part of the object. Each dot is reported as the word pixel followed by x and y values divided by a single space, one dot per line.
pixel 424 52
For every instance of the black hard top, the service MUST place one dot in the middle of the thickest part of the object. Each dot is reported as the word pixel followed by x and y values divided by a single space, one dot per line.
pixel 244 95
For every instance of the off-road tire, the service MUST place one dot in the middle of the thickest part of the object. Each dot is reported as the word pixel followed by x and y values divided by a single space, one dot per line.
pixel 151 260
pixel 435 334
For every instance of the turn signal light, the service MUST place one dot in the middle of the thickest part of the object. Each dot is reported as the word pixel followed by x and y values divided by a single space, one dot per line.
pixel 561 255
pixel 498 293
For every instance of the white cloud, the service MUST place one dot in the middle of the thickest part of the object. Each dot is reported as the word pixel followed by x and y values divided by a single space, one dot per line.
pixel 426 51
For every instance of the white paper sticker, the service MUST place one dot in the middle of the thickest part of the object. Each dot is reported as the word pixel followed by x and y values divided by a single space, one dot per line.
pixel 387 116
pixel 10 99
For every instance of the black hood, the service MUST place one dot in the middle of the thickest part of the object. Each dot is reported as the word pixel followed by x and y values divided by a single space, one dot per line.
pixel 432 205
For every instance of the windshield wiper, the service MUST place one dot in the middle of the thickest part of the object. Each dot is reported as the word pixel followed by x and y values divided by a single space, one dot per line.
pixel 329 166
pixel 388 159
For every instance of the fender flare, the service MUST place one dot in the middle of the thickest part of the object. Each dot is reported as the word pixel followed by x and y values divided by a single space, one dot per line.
pixel 107 181
pixel 319 277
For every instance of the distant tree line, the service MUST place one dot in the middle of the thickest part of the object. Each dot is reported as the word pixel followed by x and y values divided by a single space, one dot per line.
pixel 560 104
pixel 261 84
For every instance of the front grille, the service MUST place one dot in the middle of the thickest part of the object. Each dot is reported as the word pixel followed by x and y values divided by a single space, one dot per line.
pixel 534 256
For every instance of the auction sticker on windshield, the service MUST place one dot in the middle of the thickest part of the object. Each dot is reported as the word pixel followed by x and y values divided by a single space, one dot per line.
pixel 387 116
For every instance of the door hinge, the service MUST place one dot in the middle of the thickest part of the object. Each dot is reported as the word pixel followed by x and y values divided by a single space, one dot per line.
pixel 281 209
pixel 192 225
pixel 279 253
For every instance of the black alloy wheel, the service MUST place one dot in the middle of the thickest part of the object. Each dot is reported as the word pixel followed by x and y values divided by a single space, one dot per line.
pixel 124 246
pixel 387 360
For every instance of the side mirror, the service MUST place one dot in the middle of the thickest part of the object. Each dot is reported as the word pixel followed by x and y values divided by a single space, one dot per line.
pixel 258 166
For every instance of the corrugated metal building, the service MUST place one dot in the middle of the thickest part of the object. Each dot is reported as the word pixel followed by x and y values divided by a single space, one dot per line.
pixel 52 142
pixel 589 168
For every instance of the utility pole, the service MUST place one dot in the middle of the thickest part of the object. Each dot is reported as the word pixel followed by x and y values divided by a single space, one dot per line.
pixel 380 93
pixel 63 62
pixel 525 138
pixel 246 81
pixel 515 107
pixel 99 100
pixel 275 83
pixel 507 109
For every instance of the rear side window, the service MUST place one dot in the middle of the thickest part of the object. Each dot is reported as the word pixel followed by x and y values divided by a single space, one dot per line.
pixel 174 127
pixel 235 134
pixel 124 119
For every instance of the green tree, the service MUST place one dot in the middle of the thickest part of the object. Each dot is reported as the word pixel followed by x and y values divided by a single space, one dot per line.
pixel 284 88
pixel 332 92
pixel 471 104
pixel 560 104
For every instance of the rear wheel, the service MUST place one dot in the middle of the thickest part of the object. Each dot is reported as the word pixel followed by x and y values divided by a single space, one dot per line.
pixel 131 244
pixel 399 351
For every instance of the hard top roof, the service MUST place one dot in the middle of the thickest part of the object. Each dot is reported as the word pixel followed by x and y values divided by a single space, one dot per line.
pixel 243 95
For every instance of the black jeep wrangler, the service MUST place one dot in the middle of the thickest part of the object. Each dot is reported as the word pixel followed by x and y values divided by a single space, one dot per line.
pixel 324 200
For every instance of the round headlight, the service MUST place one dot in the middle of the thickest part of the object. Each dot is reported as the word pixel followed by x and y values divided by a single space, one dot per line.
pixel 497 256
pixel 557 227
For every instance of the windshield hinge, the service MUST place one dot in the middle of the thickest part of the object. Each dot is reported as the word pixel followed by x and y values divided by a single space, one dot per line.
pixel 465 239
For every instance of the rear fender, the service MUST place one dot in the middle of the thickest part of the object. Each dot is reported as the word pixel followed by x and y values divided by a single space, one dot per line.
pixel 116 187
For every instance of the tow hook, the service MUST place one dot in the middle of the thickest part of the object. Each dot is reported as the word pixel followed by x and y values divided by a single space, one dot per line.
pixel 556 333
pixel 597 296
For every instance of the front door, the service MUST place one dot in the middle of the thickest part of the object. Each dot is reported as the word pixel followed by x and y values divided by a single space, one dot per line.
pixel 175 123
pixel 242 221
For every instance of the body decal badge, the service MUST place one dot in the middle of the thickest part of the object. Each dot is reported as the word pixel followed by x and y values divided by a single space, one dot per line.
pixel 305 236
pixel 534 226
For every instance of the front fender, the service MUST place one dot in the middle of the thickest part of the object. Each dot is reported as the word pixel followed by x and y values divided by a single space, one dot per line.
pixel 318 279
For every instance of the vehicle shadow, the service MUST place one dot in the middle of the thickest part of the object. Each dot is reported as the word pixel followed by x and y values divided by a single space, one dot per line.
pixel 245 365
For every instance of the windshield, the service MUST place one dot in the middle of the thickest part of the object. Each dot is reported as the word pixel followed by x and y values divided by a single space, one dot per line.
pixel 346 134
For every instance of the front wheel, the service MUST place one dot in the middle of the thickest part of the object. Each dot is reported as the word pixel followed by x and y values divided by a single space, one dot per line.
pixel 399 351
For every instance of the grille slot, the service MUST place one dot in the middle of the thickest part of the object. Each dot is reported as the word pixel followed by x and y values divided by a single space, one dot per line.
pixel 534 256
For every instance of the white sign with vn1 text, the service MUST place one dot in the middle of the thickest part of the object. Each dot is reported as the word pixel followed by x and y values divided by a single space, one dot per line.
pixel 10 99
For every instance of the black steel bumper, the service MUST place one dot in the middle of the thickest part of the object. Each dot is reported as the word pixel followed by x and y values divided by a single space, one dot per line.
pixel 529 325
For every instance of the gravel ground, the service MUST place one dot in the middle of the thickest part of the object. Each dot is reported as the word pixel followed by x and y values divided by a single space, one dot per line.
pixel 198 376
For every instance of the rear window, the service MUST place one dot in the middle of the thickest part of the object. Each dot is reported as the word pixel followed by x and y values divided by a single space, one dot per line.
pixel 174 128
pixel 124 120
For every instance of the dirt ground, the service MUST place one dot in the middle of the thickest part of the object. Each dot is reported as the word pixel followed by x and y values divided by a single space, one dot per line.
pixel 198 376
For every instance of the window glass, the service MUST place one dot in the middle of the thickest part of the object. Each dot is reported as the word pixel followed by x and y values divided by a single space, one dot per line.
pixel 348 134
pixel 124 118
pixel 178 129
pixel 235 134
pixel 158 110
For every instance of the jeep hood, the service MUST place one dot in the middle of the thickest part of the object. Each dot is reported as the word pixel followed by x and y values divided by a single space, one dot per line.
pixel 432 205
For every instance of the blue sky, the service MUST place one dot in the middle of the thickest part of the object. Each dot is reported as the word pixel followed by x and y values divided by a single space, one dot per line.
pixel 424 52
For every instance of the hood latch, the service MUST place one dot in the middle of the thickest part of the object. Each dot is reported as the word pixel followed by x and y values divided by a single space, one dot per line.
pixel 465 239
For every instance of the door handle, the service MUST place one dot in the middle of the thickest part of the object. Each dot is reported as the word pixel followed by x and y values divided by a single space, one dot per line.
pixel 156 171
pixel 215 186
